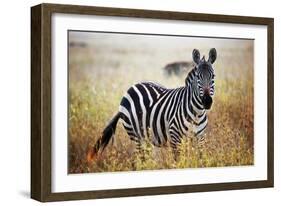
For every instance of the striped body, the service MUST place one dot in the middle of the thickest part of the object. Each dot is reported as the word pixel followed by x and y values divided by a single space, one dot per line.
pixel 149 109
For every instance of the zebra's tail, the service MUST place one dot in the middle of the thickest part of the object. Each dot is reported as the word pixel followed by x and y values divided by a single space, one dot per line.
pixel 103 141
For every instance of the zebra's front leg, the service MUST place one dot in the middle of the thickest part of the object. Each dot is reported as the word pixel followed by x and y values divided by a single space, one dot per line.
pixel 200 141
pixel 175 140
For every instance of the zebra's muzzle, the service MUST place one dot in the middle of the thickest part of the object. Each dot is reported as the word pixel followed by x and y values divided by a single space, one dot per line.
pixel 207 101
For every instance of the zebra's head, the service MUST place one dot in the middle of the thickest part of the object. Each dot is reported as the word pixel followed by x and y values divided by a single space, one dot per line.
pixel 205 76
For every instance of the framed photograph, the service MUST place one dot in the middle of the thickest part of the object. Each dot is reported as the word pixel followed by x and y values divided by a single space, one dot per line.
pixel 132 102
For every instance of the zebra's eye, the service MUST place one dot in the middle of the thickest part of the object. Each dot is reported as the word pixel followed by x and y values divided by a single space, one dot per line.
pixel 213 76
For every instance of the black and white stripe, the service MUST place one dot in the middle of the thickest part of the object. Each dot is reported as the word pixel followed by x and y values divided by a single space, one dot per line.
pixel 167 115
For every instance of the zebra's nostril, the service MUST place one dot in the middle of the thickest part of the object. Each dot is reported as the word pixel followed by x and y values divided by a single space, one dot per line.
pixel 207 101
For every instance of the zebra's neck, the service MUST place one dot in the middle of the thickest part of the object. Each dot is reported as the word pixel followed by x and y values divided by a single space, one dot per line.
pixel 194 102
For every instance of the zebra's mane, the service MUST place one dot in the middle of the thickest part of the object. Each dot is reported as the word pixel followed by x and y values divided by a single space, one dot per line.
pixel 155 84
pixel 190 76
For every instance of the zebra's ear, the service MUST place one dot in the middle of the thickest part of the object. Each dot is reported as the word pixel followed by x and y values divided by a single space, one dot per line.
pixel 196 56
pixel 212 55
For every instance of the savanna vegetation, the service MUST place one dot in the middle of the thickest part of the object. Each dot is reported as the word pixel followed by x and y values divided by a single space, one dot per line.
pixel 103 69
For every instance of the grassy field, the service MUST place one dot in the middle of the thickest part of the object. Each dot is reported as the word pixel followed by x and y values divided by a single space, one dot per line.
pixel 103 68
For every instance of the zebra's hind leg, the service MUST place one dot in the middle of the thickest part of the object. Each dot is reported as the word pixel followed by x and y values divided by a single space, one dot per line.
pixel 200 141
pixel 133 137
pixel 138 154
pixel 140 150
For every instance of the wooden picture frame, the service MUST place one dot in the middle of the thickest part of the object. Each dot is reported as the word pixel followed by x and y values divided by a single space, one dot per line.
pixel 41 98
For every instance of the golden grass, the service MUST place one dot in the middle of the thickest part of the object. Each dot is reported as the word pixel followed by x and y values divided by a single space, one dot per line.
pixel 96 88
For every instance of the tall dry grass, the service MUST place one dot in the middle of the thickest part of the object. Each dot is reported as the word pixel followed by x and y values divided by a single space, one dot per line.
pixel 100 73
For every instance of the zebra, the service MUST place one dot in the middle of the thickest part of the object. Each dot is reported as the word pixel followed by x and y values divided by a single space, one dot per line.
pixel 177 68
pixel 165 115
